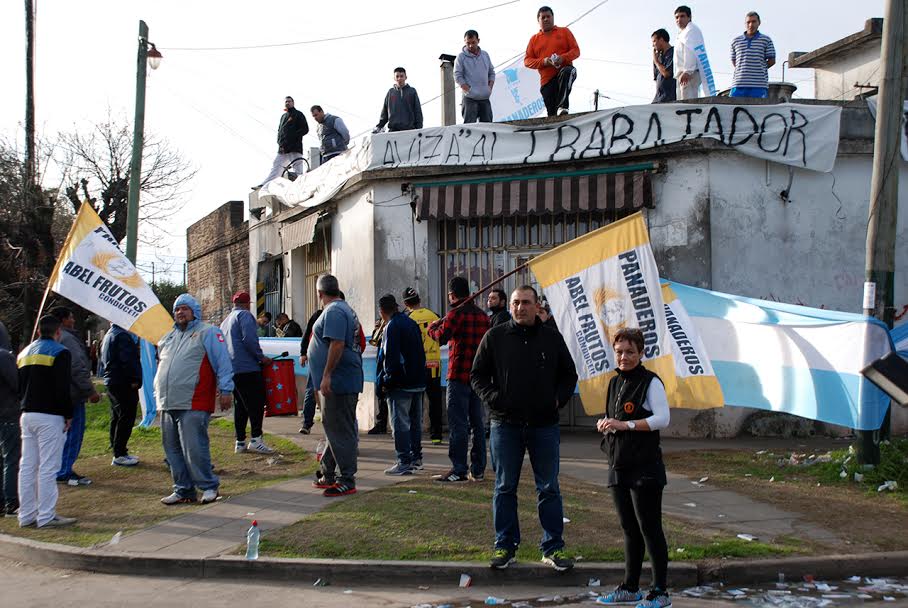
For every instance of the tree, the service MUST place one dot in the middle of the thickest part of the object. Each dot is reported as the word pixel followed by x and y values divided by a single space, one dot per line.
pixel 96 169
pixel 167 291
pixel 30 225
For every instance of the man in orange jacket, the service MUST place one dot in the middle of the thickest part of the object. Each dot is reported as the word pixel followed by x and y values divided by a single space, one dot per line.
pixel 552 51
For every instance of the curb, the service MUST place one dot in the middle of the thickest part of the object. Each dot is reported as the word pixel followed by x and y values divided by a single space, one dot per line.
pixel 360 572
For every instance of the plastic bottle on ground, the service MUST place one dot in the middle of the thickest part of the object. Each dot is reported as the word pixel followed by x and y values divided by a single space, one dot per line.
pixel 253 535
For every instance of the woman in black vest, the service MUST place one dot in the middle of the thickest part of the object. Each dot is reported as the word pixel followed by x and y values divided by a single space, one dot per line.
pixel 636 409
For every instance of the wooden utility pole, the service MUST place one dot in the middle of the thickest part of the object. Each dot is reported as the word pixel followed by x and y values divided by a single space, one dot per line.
pixel 884 190
pixel 30 163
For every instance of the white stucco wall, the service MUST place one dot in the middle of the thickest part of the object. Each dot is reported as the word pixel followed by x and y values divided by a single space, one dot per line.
pixel 837 81
pixel 807 251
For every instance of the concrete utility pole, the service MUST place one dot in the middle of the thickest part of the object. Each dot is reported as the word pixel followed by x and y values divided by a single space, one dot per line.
pixel 138 144
pixel 884 189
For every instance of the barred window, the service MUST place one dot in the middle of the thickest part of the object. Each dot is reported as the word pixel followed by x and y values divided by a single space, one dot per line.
pixel 483 249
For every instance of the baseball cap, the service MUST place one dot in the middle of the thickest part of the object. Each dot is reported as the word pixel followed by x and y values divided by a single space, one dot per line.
pixel 410 294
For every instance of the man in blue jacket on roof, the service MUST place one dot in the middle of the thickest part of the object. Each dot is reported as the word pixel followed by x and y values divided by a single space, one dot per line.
pixel 194 369
pixel 249 385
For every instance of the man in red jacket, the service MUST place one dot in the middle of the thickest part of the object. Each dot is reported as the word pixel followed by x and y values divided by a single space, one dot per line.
pixel 552 51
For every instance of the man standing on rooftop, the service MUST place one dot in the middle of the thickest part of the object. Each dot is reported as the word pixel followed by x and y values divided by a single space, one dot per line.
pixel 474 74
pixel 332 133
pixel 552 52
pixel 752 54
pixel 689 65
pixel 290 132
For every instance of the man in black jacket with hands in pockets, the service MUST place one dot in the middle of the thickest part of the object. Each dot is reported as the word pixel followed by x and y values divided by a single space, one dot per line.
pixel 524 373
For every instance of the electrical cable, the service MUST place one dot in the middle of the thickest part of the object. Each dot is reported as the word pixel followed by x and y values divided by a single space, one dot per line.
pixel 345 37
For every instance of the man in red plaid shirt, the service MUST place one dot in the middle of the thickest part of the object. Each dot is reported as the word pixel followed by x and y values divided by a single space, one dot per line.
pixel 463 327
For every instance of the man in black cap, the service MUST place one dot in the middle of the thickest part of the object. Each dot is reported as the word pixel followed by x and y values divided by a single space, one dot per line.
pixel 425 317
pixel 400 375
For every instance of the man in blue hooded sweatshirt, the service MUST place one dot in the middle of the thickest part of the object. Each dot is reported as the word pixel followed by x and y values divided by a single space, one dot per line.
pixel 193 369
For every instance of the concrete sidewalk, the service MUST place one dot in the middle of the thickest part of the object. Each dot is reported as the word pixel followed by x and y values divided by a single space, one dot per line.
pixel 218 529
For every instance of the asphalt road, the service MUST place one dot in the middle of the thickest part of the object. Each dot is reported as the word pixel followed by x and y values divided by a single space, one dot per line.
pixel 29 586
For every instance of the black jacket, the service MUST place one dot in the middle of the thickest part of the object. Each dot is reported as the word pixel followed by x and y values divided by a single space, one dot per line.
pixel 122 361
pixel 44 377
pixel 292 329
pixel 9 380
pixel 499 316
pixel 290 132
pixel 401 110
pixel 524 374
pixel 304 344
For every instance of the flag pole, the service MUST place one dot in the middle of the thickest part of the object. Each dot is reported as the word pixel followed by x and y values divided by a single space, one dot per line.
pixel 53 275
pixel 41 309
pixel 485 288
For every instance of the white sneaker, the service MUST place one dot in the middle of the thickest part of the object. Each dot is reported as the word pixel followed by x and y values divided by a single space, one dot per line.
pixel 209 496
pixel 240 447
pixel 562 111
pixel 176 499
pixel 59 520
pixel 125 461
pixel 257 445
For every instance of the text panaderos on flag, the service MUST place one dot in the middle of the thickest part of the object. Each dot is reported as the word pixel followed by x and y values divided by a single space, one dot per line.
pixel 696 385
pixel 597 284
pixel 92 272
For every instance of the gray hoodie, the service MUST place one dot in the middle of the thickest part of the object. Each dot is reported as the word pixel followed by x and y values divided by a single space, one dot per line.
pixel 9 380
pixel 81 387
pixel 475 71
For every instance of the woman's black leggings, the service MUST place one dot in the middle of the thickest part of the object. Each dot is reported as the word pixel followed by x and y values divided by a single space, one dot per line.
pixel 640 514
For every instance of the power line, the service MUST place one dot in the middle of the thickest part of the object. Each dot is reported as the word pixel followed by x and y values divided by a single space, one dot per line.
pixel 346 37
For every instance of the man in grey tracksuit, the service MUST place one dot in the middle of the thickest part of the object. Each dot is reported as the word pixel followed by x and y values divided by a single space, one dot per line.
pixel 474 74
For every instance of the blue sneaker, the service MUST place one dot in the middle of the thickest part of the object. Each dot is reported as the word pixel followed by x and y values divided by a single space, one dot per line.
pixel 656 598
pixel 621 596
pixel 399 468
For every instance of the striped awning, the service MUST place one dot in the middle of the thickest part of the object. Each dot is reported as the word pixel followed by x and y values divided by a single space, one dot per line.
pixel 533 195
pixel 299 233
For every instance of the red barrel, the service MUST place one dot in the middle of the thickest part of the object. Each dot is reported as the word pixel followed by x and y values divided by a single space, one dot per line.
pixel 280 388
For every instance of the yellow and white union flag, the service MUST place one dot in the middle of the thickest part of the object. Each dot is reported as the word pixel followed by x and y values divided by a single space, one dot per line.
pixel 597 284
pixel 696 385
pixel 92 272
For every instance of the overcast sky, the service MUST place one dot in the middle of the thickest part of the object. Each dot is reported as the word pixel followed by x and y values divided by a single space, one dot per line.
pixel 221 108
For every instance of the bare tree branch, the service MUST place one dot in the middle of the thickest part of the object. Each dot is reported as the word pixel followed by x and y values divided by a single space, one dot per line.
pixel 98 166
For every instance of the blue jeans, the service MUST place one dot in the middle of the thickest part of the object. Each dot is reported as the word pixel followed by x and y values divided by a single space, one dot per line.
pixel 184 434
pixel 10 450
pixel 507 444
pixel 406 419
pixel 758 92
pixel 464 416
pixel 309 403
pixel 73 444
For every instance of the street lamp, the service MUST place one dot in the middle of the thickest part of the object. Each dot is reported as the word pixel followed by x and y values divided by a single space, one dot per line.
pixel 152 56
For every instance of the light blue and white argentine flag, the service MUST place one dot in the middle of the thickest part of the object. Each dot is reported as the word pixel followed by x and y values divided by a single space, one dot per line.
pixel 793 359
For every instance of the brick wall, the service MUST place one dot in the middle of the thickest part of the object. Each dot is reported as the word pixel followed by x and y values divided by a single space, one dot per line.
pixel 218 259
